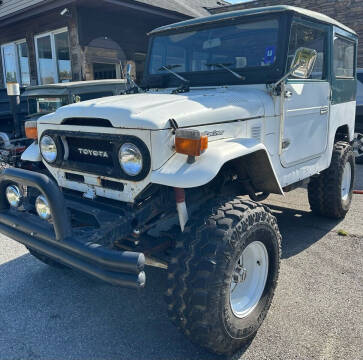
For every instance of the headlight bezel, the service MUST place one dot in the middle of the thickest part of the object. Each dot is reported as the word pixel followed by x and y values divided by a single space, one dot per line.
pixel 131 147
pixel 59 149
pixel 145 153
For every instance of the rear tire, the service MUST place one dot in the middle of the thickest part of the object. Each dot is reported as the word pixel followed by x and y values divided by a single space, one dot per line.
pixel 202 274
pixel 46 260
pixel 330 193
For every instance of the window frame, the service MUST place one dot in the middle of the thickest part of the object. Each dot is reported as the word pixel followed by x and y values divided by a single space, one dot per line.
pixel 326 30
pixel 51 34
pixel 344 38
pixel 16 51
pixel 218 77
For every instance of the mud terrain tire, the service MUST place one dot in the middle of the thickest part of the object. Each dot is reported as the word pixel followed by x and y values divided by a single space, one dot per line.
pixel 201 270
pixel 325 190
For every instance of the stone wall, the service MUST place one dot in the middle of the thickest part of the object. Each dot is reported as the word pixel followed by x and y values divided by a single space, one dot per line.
pixel 348 12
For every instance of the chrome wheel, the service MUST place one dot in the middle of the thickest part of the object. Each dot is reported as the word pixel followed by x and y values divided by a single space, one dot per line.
pixel 249 279
pixel 346 181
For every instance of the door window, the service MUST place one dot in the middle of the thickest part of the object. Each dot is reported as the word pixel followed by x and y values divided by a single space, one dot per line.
pixel 16 63
pixel 303 35
pixel 53 57
pixel 343 58
pixel 47 74
pixel 63 57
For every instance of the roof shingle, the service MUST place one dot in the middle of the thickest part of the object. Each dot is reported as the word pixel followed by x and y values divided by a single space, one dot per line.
pixel 192 8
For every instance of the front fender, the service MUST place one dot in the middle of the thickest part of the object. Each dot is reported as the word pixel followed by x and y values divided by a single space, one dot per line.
pixel 32 153
pixel 176 172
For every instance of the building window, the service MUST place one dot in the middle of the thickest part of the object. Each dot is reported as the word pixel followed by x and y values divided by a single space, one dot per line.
pixel 343 58
pixel 16 62
pixel 53 57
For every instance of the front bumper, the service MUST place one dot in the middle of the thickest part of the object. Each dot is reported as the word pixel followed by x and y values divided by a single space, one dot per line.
pixel 59 241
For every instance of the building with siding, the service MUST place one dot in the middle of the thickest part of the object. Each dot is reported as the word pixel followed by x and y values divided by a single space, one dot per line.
pixel 348 12
pixel 49 41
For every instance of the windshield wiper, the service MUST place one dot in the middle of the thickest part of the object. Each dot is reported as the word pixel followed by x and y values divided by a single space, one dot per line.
pixel 184 86
pixel 225 67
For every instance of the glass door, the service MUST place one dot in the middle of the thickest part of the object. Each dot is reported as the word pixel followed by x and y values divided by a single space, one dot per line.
pixel 53 57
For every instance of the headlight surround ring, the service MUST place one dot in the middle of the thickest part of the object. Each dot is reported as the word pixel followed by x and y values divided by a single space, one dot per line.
pixel 49 149
pixel 131 159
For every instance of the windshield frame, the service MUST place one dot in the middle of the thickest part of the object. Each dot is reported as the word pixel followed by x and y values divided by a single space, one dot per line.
pixel 64 98
pixel 253 75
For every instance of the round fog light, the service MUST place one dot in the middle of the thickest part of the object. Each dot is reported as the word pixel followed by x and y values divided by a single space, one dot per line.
pixel 42 207
pixel 14 196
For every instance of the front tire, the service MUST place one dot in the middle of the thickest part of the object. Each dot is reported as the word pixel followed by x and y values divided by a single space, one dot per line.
pixel 206 267
pixel 330 193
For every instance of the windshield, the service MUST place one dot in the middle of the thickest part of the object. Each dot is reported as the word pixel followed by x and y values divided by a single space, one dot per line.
pixel 239 47
pixel 45 105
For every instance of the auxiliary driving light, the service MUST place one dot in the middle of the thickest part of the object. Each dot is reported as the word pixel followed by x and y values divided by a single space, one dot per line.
pixel 42 207
pixel 14 196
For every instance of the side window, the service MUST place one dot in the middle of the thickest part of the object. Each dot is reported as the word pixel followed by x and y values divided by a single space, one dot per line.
pixel 309 37
pixel 343 64
pixel 16 63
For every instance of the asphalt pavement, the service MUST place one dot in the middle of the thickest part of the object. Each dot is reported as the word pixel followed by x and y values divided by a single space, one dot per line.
pixel 50 314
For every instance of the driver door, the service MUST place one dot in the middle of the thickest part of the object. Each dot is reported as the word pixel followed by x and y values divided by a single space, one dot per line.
pixel 306 101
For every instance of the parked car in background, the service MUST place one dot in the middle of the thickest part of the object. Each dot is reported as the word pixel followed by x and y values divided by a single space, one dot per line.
pixel 45 99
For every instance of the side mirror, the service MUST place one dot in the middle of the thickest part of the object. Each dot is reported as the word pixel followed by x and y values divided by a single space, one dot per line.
pixel 128 71
pixel 303 63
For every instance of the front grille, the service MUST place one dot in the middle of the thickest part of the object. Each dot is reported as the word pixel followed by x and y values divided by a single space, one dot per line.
pixel 96 154
pixel 90 151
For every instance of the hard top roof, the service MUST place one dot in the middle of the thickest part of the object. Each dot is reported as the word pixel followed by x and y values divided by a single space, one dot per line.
pixel 255 11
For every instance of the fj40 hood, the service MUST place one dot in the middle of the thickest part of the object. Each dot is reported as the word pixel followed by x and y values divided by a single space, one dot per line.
pixel 153 110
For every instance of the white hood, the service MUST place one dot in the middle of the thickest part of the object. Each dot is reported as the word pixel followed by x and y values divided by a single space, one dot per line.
pixel 153 110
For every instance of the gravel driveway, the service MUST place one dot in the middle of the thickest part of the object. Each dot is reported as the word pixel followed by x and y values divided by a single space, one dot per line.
pixel 50 314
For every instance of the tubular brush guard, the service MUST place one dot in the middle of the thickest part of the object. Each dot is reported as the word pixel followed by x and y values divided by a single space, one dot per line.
pixel 121 268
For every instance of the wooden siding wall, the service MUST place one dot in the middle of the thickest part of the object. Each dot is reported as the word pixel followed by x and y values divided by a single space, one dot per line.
pixel 29 28
pixel 128 28
pixel 348 12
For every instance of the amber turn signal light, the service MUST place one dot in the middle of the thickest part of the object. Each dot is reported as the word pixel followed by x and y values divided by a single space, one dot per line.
pixel 190 142
pixel 31 131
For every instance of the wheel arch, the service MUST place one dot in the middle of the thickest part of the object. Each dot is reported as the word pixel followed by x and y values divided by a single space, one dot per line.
pixel 257 168
pixel 342 133
pixel 247 156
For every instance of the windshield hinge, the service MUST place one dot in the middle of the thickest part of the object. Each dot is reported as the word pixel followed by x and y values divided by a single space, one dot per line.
pixel 183 88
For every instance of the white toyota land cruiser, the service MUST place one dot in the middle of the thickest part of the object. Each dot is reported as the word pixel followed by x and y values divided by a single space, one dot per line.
pixel 249 103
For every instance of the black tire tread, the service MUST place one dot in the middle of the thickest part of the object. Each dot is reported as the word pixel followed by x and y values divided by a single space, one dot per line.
pixel 324 192
pixel 194 264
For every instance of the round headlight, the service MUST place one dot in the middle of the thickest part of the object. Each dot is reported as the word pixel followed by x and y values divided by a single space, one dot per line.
pixel 130 159
pixel 42 207
pixel 14 196
pixel 48 148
